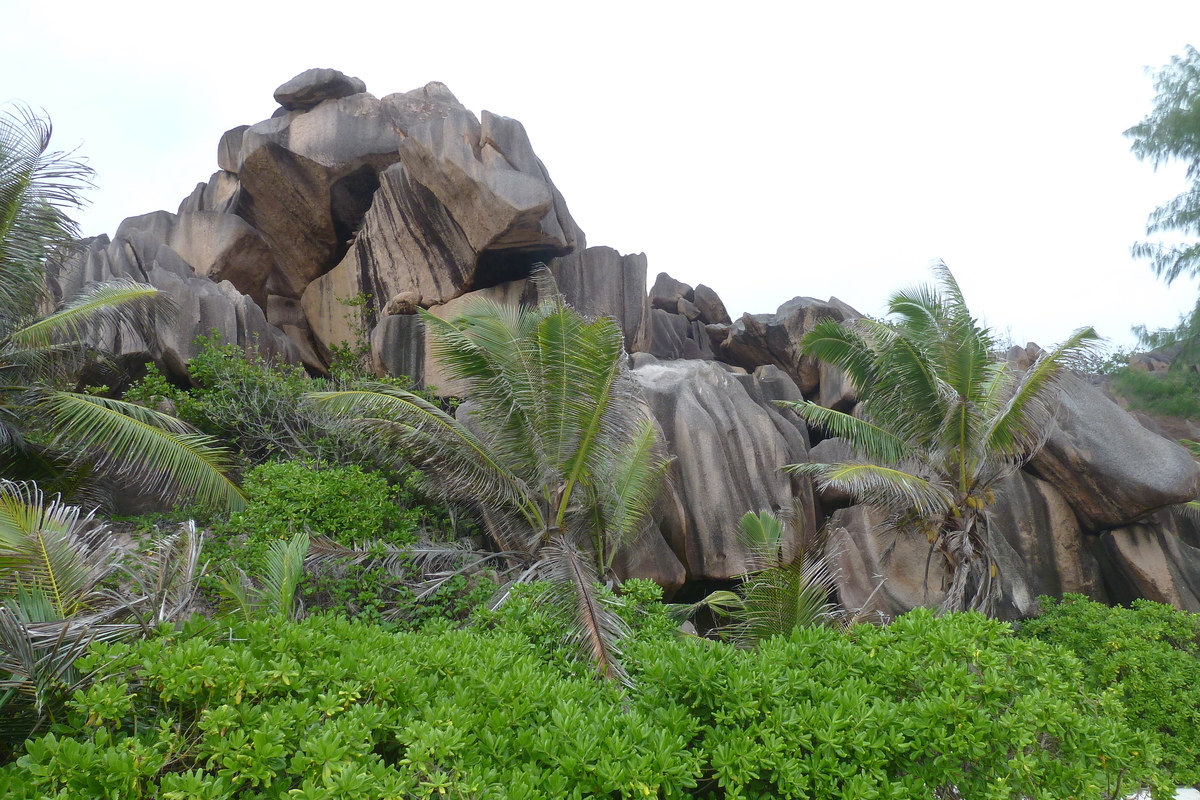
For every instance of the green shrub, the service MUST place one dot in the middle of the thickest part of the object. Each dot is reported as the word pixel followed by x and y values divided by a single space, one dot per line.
pixel 1170 394
pixel 346 504
pixel 350 506
pixel 1148 656
pixel 372 594
pixel 258 405
pixel 326 708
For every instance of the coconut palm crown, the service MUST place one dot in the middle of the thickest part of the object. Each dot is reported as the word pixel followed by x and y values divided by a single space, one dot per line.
pixel 41 354
pixel 941 420
pixel 555 450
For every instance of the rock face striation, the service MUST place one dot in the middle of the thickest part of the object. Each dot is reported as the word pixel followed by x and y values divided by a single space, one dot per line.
pixel 342 214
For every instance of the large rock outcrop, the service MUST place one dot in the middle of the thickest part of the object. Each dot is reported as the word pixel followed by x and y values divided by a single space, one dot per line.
pixel 1158 559
pixel 342 215
pixel 202 305
pixel 1111 469
pixel 408 243
pixel 728 450
pixel 757 339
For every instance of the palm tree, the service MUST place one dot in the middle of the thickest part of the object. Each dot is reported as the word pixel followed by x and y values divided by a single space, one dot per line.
pixel 942 419
pixel 556 451
pixel 54 560
pixel 777 596
pixel 41 354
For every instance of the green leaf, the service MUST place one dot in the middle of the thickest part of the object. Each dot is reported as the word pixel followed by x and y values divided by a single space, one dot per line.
pixel 144 446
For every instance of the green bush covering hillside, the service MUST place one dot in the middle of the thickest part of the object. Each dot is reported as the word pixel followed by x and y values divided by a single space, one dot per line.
pixel 326 708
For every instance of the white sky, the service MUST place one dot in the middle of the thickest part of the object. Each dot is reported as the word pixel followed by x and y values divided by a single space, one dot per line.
pixel 765 149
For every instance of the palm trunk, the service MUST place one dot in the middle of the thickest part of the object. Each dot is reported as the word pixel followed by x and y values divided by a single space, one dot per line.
pixel 972 584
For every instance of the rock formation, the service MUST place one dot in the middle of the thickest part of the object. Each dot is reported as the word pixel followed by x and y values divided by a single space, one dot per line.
pixel 342 214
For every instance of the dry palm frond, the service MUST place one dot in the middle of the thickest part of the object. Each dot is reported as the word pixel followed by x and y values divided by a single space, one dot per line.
pixel 166 583
pixel 598 629
pixel 37 666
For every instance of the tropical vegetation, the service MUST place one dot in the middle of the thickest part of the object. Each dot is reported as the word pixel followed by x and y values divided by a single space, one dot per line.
pixel 778 595
pixel 553 449
pixel 346 649
pixel 326 708
pixel 942 419
pixel 47 432
pixel 1148 654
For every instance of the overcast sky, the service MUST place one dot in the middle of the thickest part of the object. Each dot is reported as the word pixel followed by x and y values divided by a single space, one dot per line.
pixel 765 149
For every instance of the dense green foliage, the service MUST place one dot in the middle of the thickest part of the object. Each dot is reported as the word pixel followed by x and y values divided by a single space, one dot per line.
pixel 329 709
pixel 253 402
pixel 1175 393
pixel 308 475
pixel 1148 656
pixel 940 422
pixel 347 504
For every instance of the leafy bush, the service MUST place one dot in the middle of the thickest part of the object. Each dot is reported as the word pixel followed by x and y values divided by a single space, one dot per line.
pixel 1175 393
pixel 347 504
pixel 258 405
pixel 326 708
pixel 244 399
pixel 1148 656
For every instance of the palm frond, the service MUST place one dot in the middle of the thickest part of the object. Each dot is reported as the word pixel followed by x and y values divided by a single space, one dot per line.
pixel 100 306
pixel 581 363
pixel 38 660
pixel 598 629
pixel 282 569
pixel 239 597
pixel 779 600
pixel 628 490
pixel 762 535
pixel 881 486
pixel 721 603
pixel 1021 425
pixel 843 346
pixel 864 437
pixel 36 186
pixel 272 592
pixel 144 447
pixel 1190 510
pixel 910 393
pixel 467 468
pixel 52 548
pixel 167 581
pixel 427 566
pixel 488 347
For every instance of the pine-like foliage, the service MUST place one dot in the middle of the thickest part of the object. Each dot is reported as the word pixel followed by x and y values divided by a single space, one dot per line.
pixel 1171 131
pixel 941 421
pixel 556 450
